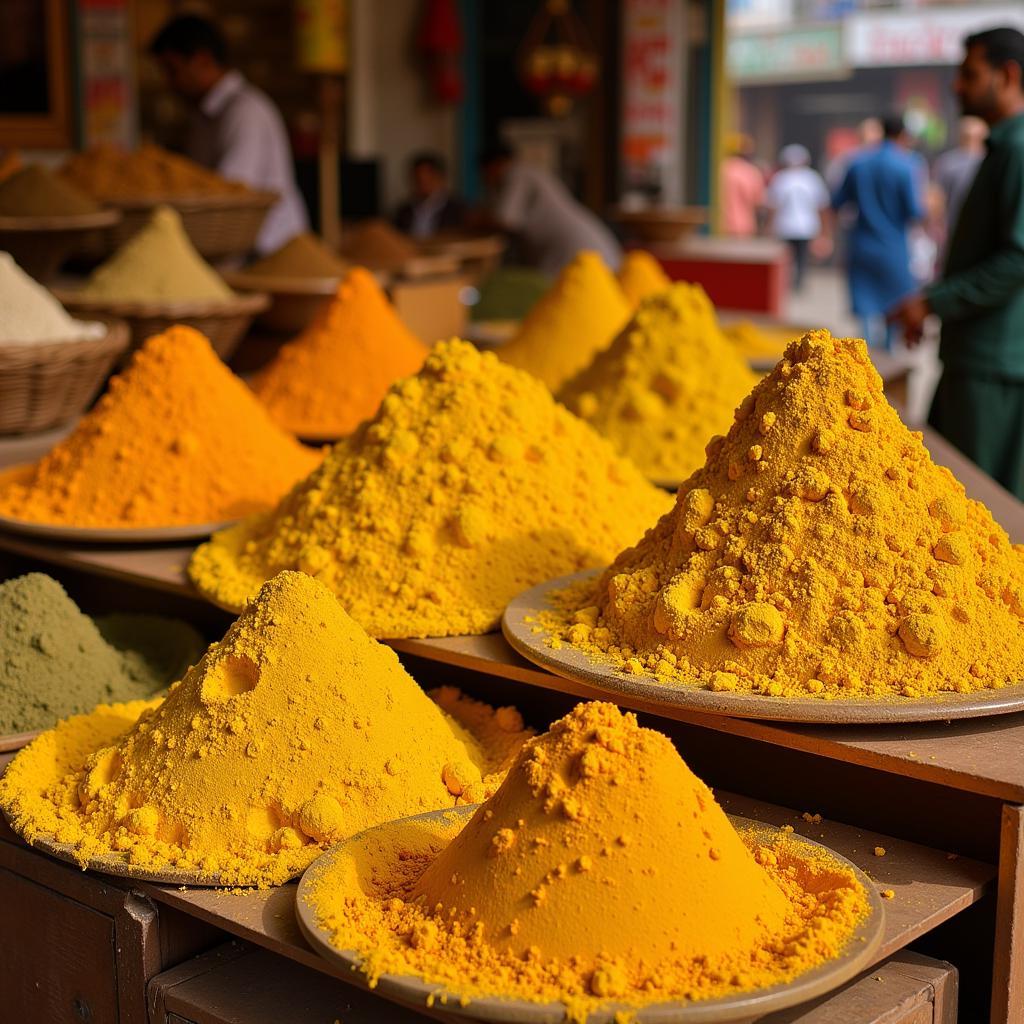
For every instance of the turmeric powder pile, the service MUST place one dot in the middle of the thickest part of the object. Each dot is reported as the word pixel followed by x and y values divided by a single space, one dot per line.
pixel 664 386
pixel 110 174
pixel 759 343
pixel 468 486
pixel 333 376
pixel 176 440
pixel 602 871
pixel 577 318
pixel 640 276
pixel 819 552
pixel 293 732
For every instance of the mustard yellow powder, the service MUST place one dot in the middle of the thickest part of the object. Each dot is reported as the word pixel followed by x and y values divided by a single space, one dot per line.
pixel 759 343
pixel 602 871
pixel 577 318
pixel 666 384
pixel 469 485
pixel 293 732
pixel 819 552
pixel 640 276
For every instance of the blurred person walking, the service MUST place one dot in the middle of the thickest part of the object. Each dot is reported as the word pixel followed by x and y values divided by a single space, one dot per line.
pixel 797 195
pixel 881 185
pixel 955 169
pixel 742 188
pixel 979 402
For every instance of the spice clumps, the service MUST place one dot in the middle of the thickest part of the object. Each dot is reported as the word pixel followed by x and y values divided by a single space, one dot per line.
pixel 666 384
pixel 575 319
pixel 176 440
pixel 602 871
pixel 470 484
pixel 818 553
pixel 330 378
pixel 294 731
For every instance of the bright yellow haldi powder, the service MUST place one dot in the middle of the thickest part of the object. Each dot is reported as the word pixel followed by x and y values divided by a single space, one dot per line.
pixel 470 485
pixel 760 343
pixel 294 731
pixel 578 317
pixel 641 276
pixel 664 386
pixel 819 552
pixel 602 871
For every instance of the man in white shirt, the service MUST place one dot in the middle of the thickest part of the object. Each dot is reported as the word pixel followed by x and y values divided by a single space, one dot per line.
pixel 235 127
pixel 535 206
pixel 797 195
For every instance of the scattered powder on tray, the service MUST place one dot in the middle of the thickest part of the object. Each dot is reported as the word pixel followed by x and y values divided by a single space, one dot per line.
pixel 31 315
pixel 109 173
pixel 54 660
pixel 760 343
pixel 177 439
pixel 641 276
pixel 333 376
pixel 601 872
pixel 376 244
pixel 35 191
pixel 157 264
pixel 576 319
pixel 818 553
pixel 664 386
pixel 293 732
pixel 470 485
pixel 304 256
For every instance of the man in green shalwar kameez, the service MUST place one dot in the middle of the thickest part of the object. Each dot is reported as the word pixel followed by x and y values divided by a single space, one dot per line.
pixel 979 403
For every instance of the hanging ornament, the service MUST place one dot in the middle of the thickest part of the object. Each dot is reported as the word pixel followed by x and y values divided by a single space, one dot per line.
pixel 440 41
pixel 557 62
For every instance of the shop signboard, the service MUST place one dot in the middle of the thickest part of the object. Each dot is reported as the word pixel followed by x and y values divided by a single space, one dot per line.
pixel 742 15
pixel 808 54
pixel 107 72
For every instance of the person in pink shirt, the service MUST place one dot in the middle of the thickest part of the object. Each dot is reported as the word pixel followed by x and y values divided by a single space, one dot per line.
pixel 742 189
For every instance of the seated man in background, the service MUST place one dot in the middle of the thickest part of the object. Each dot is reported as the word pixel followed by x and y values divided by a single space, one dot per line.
pixel 235 128
pixel 431 208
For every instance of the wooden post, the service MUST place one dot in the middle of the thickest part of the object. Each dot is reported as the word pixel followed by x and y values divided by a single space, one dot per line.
pixel 1008 955
pixel 331 109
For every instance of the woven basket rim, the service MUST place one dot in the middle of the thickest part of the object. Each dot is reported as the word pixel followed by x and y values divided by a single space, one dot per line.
pixel 238 305
pixel 61 221
pixel 280 284
pixel 116 338
pixel 187 203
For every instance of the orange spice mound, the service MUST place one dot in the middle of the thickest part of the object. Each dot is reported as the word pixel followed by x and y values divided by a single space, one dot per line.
pixel 601 871
pixel 177 439
pixel 330 378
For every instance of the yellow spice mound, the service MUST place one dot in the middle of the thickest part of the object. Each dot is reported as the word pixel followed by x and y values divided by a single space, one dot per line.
pixel 333 376
pixel 664 386
pixel 469 485
pixel 641 276
pixel 601 871
pixel 157 264
pixel 578 317
pixel 293 732
pixel 177 439
pixel 819 552
pixel 759 343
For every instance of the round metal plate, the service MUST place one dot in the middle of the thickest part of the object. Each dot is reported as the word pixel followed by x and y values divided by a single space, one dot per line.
pixel 747 1006
pixel 101 534
pixel 603 676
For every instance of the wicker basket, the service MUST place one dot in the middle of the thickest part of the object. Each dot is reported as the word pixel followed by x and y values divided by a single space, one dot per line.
pixel 294 301
pixel 44 385
pixel 41 244
pixel 223 323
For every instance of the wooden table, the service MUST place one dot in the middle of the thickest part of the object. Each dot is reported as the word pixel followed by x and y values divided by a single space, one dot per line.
pixel 959 785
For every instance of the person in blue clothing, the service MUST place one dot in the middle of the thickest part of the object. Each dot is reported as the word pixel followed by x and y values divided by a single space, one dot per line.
pixel 882 185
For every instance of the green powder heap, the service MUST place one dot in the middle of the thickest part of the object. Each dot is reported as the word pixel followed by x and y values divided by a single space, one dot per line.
pixel 35 191
pixel 158 264
pixel 55 661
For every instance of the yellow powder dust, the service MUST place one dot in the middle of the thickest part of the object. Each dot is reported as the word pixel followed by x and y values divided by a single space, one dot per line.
pixel 157 264
pixel 177 439
pixel 664 386
pixel 601 871
pixel 641 276
pixel 759 343
pixel 818 553
pixel 293 732
pixel 578 317
pixel 469 485
pixel 333 376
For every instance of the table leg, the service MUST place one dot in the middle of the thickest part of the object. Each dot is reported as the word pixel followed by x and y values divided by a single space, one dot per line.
pixel 1008 955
